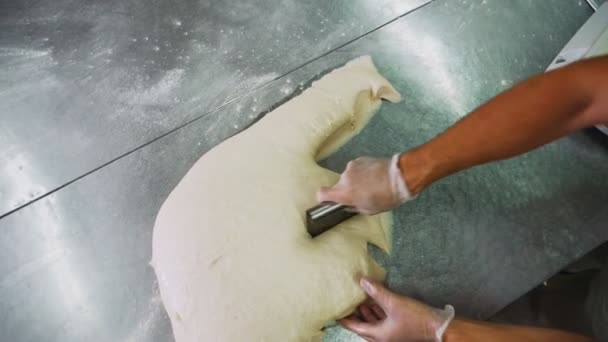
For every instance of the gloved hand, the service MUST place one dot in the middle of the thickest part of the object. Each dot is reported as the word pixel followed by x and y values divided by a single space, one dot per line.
pixel 370 185
pixel 393 318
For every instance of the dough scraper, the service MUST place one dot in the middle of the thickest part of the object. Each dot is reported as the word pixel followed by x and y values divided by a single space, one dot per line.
pixel 325 216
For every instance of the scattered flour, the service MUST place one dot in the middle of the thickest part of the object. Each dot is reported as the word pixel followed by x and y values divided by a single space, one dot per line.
pixel 160 92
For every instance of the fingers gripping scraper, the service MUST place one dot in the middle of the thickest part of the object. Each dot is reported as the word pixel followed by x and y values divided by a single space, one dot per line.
pixel 325 216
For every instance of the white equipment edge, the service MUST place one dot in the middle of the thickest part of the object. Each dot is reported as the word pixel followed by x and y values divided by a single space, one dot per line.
pixel 583 42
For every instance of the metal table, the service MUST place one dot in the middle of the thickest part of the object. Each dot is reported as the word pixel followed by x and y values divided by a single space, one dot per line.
pixel 85 83
pixel 105 105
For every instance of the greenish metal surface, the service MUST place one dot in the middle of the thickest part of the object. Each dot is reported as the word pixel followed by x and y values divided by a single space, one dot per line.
pixel 83 83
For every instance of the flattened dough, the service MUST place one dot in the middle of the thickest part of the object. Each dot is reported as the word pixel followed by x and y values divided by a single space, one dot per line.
pixel 230 249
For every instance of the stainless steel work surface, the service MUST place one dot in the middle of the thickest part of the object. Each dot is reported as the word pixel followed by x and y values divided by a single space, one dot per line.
pixel 74 264
pixel 82 83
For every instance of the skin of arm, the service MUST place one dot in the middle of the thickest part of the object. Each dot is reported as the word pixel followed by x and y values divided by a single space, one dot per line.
pixel 461 330
pixel 529 115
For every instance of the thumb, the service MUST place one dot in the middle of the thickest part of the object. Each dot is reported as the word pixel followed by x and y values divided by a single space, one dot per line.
pixel 333 194
pixel 376 291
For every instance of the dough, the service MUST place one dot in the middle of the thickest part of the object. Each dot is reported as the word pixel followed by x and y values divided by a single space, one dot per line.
pixel 230 249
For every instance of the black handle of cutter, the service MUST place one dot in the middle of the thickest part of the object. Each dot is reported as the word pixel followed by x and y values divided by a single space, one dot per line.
pixel 325 216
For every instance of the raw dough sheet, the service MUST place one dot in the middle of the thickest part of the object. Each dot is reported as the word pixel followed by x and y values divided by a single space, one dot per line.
pixel 230 249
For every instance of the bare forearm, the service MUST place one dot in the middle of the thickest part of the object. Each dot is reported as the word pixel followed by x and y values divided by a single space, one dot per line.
pixel 472 331
pixel 525 117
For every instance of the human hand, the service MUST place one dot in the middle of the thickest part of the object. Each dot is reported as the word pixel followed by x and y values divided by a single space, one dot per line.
pixel 370 185
pixel 393 318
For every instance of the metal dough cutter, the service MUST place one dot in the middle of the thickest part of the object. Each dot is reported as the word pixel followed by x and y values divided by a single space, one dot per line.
pixel 325 216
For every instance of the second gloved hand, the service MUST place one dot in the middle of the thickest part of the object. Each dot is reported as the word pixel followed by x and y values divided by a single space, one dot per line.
pixel 393 318
pixel 370 185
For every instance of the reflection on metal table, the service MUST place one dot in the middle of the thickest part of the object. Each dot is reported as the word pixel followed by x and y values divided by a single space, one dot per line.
pixel 105 106
pixel 87 83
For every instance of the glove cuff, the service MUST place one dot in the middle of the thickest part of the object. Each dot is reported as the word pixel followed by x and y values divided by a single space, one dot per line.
pixel 397 181
pixel 448 314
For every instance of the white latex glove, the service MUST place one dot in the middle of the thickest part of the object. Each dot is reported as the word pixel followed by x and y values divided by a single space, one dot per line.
pixel 370 185
pixel 393 318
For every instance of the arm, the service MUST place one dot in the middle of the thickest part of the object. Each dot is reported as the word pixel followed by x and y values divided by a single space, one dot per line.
pixel 461 330
pixel 388 316
pixel 525 117
pixel 531 114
